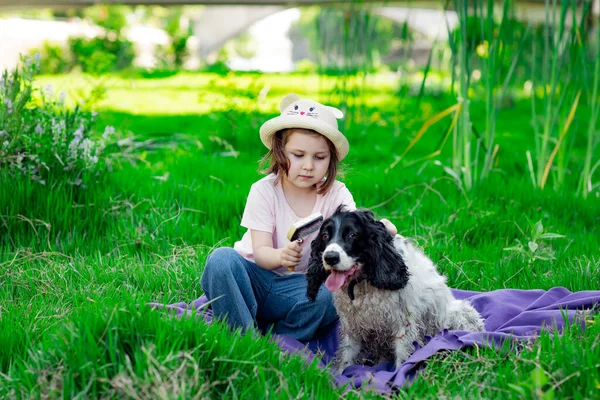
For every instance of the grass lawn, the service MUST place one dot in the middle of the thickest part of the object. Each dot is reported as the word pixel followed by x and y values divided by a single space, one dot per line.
pixel 77 266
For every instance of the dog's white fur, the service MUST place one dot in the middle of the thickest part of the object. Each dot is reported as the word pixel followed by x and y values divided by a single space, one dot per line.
pixel 387 322
pixel 346 262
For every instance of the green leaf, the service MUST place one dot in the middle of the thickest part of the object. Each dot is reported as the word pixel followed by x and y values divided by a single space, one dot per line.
pixel 514 248
pixel 552 236
pixel 539 228
pixel 549 395
pixel 517 388
pixel 533 246
pixel 539 377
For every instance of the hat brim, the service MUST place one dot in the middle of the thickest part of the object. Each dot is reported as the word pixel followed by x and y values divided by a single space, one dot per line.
pixel 272 126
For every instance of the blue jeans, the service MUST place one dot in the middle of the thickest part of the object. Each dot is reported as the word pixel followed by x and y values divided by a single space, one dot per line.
pixel 252 297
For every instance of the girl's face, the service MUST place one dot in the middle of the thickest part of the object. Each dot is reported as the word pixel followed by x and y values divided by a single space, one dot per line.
pixel 309 158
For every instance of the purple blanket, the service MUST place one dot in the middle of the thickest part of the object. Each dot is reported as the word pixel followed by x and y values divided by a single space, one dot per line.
pixel 509 314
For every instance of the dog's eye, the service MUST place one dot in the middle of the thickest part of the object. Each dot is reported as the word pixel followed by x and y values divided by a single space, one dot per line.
pixel 325 236
pixel 353 235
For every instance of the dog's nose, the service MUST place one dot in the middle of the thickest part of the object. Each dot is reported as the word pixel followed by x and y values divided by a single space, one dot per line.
pixel 331 258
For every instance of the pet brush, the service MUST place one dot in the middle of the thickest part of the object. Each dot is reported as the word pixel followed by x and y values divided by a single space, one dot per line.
pixel 304 227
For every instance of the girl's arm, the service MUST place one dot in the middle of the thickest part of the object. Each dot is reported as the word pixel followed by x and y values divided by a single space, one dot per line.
pixel 269 258
pixel 390 227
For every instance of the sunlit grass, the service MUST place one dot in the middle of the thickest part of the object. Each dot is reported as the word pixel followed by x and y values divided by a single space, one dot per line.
pixel 78 265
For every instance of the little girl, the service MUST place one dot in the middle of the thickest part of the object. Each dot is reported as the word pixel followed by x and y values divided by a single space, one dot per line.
pixel 250 284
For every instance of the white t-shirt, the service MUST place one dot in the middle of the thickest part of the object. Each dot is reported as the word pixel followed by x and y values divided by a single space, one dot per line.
pixel 267 210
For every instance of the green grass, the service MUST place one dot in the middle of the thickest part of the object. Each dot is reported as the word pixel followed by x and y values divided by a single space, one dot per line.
pixel 78 265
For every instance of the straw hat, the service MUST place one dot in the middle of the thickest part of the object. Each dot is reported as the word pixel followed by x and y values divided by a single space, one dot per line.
pixel 306 114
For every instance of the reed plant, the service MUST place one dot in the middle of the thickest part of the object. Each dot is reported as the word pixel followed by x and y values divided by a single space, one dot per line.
pixel 556 76
pixel 343 57
pixel 486 50
pixel 485 54
pixel 489 57
pixel 592 159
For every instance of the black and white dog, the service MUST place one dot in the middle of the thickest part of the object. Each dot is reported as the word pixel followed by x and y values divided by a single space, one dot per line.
pixel 387 293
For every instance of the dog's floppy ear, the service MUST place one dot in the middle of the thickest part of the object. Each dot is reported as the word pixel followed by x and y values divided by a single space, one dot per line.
pixel 315 275
pixel 385 268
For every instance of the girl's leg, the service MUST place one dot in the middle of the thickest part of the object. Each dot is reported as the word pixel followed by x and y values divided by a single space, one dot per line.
pixel 237 287
pixel 294 315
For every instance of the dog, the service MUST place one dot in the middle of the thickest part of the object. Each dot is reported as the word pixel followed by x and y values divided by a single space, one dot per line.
pixel 387 293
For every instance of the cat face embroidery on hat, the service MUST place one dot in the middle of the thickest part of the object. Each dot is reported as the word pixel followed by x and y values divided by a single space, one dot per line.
pixel 303 107
pixel 292 105
pixel 323 120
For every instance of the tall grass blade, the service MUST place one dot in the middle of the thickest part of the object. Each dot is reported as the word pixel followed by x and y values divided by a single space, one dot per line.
pixel 431 121
pixel 585 180
pixel 530 167
pixel 560 140
pixel 438 150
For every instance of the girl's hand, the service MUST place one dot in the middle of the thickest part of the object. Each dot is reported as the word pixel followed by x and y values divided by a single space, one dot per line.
pixel 390 227
pixel 290 255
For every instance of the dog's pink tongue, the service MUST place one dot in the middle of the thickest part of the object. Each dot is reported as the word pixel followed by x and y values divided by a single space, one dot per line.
pixel 335 281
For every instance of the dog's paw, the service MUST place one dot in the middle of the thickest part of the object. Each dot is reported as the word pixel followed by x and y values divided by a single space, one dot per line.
pixel 463 316
pixel 338 366
pixel 403 352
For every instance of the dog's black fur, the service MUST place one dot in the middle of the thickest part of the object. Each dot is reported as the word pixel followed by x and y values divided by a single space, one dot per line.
pixel 364 239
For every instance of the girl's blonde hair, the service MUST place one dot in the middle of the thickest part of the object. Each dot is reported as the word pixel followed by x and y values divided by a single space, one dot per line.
pixel 276 161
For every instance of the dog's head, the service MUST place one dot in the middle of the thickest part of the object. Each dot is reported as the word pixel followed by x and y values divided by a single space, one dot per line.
pixel 352 245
